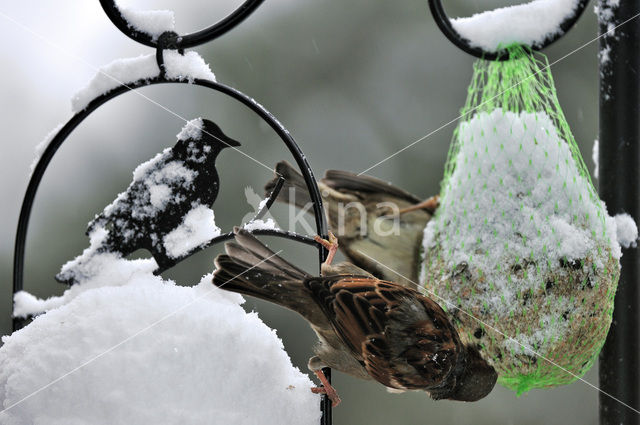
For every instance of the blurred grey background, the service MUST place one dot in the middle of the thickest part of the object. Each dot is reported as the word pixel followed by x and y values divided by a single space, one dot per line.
pixel 354 81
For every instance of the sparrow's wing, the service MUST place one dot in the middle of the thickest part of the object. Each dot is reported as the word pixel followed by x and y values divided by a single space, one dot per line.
pixel 386 237
pixel 362 211
pixel 404 340
pixel 355 313
pixel 344 180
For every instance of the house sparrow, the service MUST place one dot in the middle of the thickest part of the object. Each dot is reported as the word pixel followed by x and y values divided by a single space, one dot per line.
pixel 371 217
pixel 367 327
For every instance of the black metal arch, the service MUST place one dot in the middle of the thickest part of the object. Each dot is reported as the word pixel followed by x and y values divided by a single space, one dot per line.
pixel 67 129
pixel 188 40
pixel 443 22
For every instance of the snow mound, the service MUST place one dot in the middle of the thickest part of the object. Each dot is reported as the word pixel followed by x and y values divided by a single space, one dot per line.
pixel 151 353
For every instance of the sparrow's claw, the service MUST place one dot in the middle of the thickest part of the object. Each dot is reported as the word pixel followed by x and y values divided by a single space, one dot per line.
pixel 430 205
pixel 331 245
pixel 326 389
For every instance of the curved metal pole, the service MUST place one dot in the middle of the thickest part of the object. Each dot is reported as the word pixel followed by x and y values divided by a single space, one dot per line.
pixel 188 40
pixel 443 22
pixel 619 183
pixel 65 131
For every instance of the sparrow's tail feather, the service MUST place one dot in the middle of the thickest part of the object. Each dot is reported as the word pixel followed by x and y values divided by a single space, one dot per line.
pixel 248 250
pixel 250 268
pixel 294 190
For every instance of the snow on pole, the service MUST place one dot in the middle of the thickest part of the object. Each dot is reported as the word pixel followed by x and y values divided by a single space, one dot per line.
pixel 40 147
pixel 619 180
pixel 151 22
pixel 127 71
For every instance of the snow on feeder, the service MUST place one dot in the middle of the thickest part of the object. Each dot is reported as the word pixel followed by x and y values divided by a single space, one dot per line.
pixel 521 245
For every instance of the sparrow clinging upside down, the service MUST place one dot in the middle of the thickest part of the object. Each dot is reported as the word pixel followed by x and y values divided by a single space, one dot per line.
pixel 367 327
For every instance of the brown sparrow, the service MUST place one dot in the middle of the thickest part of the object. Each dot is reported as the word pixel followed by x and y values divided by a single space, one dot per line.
pixel 362 211
pixel 367 327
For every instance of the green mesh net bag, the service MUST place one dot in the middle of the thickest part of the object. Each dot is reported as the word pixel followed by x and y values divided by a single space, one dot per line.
pixel 521 247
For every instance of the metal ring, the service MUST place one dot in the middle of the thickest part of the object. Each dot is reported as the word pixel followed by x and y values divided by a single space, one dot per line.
pixel 188 40
pixel 65 131
pixel 443 22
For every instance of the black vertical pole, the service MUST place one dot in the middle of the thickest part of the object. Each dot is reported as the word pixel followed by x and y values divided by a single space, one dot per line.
pixel 619 184
pixel 325 403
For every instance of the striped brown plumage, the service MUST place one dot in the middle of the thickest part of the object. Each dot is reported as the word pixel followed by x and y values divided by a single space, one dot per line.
pixel 375 317
pixel 367 327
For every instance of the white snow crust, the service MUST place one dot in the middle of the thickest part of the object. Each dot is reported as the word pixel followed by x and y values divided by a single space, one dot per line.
pixel 152 22
pixel 595 156
pixel 151 352
pixel 262 204
pixel 517 193
pixel 626 230
pixel 605 10
pixel 529 199
pixel 191 130
pixel 528 24
pixel 40 147
pixel 93 270
pixel 159 183
pixel 189 67
pixel 268 224
pixel 198 227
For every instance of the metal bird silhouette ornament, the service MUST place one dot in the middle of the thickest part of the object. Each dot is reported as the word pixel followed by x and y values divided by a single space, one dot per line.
pixel 169 195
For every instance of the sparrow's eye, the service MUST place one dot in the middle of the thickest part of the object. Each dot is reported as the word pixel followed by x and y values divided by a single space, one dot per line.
pixel 436 323
pixel 439 359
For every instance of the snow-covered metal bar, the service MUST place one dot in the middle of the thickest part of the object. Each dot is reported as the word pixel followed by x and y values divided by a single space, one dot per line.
pixel 619 183
pixel 484 35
